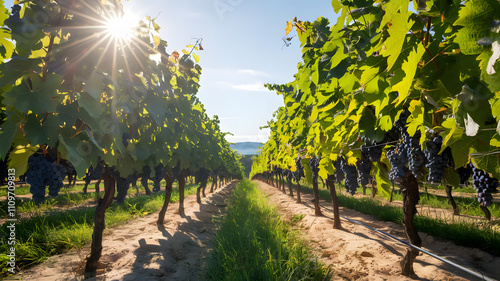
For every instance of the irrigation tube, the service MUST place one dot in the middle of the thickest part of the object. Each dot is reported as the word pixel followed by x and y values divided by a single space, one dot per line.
pixel 477 274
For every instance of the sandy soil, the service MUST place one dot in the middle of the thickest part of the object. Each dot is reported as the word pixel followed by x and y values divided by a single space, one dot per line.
pixel 357 253
pixel 141 250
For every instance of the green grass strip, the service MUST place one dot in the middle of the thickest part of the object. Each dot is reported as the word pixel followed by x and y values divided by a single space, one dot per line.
pixel 254 244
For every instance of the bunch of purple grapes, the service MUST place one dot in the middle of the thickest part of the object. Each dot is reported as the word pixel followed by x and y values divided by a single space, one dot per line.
pixel 436 163
pixel 398 163
pixel 351 176
pixel 464 173
pixel 364 166
pixel 299 173
pixel 314 165
pixel 416 158
pixel 484 185
pixel 339 174
pixel 42 172
pixel 159 176
pixel 372 150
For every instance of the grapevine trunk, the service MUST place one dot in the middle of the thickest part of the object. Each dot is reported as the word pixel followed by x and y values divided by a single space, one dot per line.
pixel 168 193
pixel 99 225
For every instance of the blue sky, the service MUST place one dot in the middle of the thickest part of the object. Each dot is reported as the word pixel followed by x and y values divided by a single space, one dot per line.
pixel 243 49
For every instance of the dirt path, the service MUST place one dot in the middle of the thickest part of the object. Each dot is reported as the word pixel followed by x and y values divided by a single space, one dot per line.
pixel 141 250
pixel 356 253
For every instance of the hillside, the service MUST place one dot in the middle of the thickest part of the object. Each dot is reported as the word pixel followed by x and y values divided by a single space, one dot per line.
pixel 247 148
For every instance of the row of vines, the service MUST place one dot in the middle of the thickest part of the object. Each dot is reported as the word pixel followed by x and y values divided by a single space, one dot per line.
pixel 397 91
pixel 73 96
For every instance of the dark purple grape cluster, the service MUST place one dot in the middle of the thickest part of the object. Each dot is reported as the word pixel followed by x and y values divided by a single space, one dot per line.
pixel 159 176
pixel 464 173
pixel 203 175
pixel 416 158
pixel 401 122
pixel 351 176
pixel 42 172
pixel 484 185
pixel 94 173
pixel 436 163
pixel 288 175
pixel 339 174
pixel 364 166
pixel 122 185
pixel 299 172
pixel 145 175
pixel 314 165
pixel 176 171
pixel 373 151
pixel 397 164
pixel 125 138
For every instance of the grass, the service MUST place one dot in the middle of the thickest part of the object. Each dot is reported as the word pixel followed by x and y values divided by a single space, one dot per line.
pixel 41 236
pixel 479 235
pixel 254 244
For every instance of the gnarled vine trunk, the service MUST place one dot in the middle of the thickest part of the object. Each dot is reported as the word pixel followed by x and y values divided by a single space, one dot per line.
pixel 182 183
pixel 451 200
pixel 411 196
pixel 168 193
pixel 317 209
pixel 299 200
pixel 374 187
pixel 330 182
pixel 214 183
pixel 100 224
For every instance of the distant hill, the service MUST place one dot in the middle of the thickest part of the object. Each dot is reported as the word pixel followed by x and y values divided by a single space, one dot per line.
pixel 247 148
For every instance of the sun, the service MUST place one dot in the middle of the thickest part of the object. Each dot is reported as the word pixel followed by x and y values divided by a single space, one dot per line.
pixel 121 27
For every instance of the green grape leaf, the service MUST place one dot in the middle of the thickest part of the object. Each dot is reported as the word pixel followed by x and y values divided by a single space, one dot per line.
pixel 42 133
pixel 337 5
pixel 70 152
pixel 474 16
pixel 91 105
pixel 451 177
pixel 493 79
pixel 35 96
pixel 409 67
pixel 7 134
pixel 307 170
pixel 18 158
pixel 495 106
pixel 399 23
pixel 480 149
pixel 381 173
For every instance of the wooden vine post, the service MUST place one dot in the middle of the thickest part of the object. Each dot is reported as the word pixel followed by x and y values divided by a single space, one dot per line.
pixel 411 196
pixel 100 224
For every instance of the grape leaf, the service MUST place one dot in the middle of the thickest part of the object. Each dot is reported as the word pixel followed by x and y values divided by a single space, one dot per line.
pixel 381 173
pixel 18 158
pixel 399 23
pixel 409 67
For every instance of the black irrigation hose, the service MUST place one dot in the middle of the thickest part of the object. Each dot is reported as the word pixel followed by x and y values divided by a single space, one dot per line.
pixel 470 271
